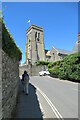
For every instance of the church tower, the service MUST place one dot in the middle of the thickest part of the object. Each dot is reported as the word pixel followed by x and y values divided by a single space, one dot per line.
pixel 34 45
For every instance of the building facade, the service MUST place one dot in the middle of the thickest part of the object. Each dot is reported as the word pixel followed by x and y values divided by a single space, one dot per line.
pixel 56 54
pixel 34 45
pixel 77 45
pixel 78 37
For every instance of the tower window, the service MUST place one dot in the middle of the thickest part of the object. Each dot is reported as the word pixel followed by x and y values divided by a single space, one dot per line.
pixel 35 35
pixel 29 40
pixel 38 36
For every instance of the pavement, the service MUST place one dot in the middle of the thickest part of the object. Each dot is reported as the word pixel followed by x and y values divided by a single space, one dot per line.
pixel 52 98
pixel 28 105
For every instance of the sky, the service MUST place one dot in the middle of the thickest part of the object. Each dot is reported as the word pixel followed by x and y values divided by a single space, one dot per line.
pixel 58 19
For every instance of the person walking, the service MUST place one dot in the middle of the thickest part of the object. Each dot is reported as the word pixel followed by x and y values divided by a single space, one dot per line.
pixel 25 82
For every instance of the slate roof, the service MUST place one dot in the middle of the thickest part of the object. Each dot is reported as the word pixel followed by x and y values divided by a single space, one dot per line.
pixel 63 51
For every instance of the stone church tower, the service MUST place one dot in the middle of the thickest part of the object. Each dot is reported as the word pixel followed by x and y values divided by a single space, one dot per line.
pixel 34 45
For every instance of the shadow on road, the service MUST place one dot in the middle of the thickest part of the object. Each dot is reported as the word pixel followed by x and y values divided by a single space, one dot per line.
pixel 28 105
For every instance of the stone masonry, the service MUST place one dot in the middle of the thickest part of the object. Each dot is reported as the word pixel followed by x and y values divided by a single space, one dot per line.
pixel 10 84
pixel 0 69
pixel 34 45
pixel 32 71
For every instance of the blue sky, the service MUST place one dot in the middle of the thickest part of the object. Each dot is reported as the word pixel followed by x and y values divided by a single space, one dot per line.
pixel 79 17
pixel 58 19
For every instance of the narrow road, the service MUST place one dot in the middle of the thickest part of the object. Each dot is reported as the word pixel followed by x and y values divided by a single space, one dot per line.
pixel 58 98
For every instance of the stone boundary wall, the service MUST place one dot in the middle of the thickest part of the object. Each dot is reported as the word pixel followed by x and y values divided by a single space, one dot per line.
pixel 0 67
pixel 0 84
pixel 32 70
pixel 10 84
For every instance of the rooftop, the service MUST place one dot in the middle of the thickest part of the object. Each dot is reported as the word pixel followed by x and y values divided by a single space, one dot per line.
pixel 34 27
pixel 63 51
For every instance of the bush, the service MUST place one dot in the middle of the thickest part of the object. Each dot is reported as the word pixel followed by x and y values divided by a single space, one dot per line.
pixel 68 68
pixel 41 62
pixel 51 64
pixel 54 72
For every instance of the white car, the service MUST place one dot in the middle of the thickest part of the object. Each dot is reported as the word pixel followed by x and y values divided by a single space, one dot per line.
pixel 47 72
pixel 43 73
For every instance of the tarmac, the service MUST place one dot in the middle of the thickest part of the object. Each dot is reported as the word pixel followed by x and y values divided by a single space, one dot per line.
pixel 28 105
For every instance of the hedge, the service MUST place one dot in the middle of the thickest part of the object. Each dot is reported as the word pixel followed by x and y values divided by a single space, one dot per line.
pixel 68 68
pixel 8 44
pixel 38 62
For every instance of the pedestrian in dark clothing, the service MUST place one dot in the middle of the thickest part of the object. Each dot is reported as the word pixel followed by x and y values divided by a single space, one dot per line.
pixel 25 82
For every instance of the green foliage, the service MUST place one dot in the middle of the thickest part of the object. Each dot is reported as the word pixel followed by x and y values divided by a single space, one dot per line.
pixel 52 64
pixel 8 44
pixel 54 71
pixel 68 68
pixel 41 62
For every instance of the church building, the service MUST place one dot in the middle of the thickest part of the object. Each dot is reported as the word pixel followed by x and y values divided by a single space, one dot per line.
pixel 34 45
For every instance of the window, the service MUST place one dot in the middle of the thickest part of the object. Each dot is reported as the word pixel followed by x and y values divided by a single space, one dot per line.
pixel 38 37
pixel 35 35
pixel 29 40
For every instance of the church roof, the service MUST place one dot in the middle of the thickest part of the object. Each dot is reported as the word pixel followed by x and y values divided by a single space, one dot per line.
pixel 63 51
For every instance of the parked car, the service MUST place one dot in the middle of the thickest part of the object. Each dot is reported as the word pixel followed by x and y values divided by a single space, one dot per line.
pixel 43 73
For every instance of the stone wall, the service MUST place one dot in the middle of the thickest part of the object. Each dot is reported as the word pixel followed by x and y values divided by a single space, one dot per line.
pixel 0 68
pixel 32 71
pixel 0 84
pixel 35 44
pixel 10 84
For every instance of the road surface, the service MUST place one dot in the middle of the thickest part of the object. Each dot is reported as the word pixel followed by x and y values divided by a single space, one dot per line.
pixel 57 98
